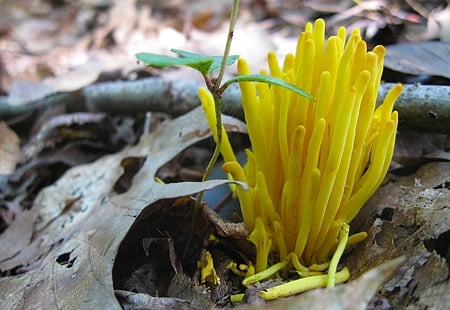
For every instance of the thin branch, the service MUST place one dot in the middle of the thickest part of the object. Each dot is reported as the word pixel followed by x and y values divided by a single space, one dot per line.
pixel 420 107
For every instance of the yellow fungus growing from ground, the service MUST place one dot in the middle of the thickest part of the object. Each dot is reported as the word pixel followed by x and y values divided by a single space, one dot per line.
pixel 312 163
pixel 208 272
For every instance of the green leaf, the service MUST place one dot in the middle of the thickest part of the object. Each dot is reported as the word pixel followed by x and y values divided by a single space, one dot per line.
pixel 201 64
pixel 186 54
pixel 217 60
pixel 206 65
pixel 270 80
pixel 215 66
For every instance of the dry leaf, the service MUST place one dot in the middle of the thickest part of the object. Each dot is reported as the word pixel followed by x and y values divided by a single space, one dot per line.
pixel 9 149
pixel 67 258
pixel 430 58
pixel 409 215
pixel 226 229
pixel 438 27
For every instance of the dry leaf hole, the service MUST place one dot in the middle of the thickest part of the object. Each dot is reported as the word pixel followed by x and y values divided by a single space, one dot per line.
pixel 64 259
pixel 387 214
pixel 131 166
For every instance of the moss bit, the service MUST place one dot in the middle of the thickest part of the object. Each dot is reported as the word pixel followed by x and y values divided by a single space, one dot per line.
pixel 313 164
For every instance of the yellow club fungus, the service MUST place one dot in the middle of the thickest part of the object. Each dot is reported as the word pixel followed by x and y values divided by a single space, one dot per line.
pixel 312 163
pixel 206 266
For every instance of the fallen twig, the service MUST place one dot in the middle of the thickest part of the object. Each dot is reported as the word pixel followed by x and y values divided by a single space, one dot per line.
pixel 420 107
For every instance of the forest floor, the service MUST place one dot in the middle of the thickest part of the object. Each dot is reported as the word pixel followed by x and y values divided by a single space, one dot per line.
pixel 85 128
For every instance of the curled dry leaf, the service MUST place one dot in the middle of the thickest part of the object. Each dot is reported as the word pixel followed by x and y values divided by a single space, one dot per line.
pixel 40 140
pixel 78 223
pixel 226 229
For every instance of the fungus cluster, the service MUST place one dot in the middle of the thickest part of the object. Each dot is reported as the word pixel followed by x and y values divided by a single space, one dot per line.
pixel 312 163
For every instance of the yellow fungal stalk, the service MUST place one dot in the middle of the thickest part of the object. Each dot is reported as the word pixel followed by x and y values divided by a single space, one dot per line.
pixel 206 265
pixel 313 163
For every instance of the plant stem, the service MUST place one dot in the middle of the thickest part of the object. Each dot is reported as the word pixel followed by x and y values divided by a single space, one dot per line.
pixel 217 92
pixel 226 53
pixel 217 96
pixel 215 89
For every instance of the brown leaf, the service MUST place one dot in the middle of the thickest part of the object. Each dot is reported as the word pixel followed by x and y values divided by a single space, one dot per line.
pixel 430 58
pixel 81 222
pixel 44 136
pixel 412 147
pixel 226 229
pixel 9 149
pixel 438 27
pixel 409 215
pixel 24 92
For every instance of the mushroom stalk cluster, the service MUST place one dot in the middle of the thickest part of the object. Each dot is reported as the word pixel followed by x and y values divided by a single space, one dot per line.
pixel 313 163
